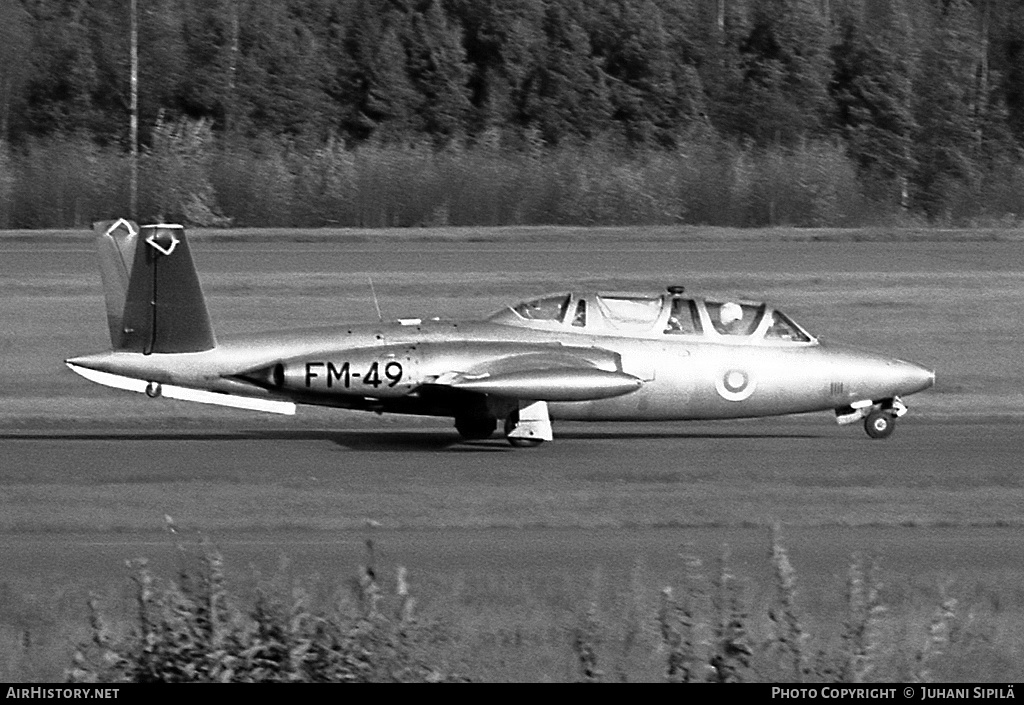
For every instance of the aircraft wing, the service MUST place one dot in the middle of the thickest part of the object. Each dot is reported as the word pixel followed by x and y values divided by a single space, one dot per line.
pixel 541 376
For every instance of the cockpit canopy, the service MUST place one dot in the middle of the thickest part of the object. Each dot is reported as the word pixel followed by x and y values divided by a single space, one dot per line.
pixel 653 315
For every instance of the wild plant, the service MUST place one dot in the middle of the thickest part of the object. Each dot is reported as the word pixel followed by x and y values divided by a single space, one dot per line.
pixel 635 625
pixel 676 630
pixel 937 639
pixel 585 640
pixel 788 634
pixel 731 653
pixel 861 639
pixel 677 622
pixel 191 629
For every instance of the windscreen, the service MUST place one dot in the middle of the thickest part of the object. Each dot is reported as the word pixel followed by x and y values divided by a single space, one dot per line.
pixel 784 329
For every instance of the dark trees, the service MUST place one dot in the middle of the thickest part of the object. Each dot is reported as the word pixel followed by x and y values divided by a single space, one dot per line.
pixel 924 96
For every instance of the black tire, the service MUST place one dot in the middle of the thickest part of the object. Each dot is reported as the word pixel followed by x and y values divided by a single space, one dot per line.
pixel 524 442
pixel 880 424
pixel 476 428
pixel 510 425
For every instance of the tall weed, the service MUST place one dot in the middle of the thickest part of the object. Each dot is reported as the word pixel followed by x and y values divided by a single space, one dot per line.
pixel 66 181
pixel 6 185
pixel 788 634
pixel 191 175
pixel 193 630
pixel 731 652
pixel 175 180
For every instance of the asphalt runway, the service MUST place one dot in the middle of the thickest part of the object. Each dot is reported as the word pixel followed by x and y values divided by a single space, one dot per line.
pixel 800 471
pixel 806 446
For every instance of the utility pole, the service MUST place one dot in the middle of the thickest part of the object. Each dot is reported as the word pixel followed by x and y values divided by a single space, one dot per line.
pixel 981 90
pixel 133 130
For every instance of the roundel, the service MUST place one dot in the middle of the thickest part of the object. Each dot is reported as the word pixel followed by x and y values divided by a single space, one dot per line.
pixel 735 385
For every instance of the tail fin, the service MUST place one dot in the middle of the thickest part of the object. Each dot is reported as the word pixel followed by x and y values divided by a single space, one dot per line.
pixel 154 300
pixel 115 245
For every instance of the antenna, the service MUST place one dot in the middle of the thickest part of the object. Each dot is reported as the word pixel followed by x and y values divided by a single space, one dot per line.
pixel 380 316
pixel 133 120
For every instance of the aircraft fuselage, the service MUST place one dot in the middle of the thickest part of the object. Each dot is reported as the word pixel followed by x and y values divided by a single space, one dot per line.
pixel 597 356
pixel 379 365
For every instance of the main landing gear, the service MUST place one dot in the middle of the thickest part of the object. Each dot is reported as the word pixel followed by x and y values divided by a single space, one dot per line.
pixel 475 428
pixel 479 428
pixel 511 423
pixel 525 427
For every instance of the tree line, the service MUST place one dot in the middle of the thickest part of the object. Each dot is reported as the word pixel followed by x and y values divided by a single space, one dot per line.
pixel 910 108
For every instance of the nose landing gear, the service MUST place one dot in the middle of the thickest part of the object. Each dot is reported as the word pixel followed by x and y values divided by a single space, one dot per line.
pixel 880 424
pixel 879 416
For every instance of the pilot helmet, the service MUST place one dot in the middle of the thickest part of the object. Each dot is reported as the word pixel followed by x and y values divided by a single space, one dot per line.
pixel 730 312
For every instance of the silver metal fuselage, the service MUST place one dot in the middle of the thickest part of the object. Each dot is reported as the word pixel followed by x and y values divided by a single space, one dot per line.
pixel 682 376
pixel 599 356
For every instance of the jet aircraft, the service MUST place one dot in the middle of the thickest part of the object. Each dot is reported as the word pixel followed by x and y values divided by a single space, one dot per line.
pixel 597 356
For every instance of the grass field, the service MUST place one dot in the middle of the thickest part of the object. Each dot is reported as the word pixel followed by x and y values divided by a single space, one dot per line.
pixel 509 606
pixel 952 300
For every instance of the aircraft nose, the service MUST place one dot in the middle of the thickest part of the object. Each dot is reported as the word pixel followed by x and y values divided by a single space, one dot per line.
pixel 916 378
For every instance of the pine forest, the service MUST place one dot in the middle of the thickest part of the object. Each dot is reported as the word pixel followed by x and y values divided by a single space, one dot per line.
pixel 371 113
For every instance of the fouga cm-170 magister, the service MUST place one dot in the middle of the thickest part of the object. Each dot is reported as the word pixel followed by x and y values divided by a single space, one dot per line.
pixel 584 355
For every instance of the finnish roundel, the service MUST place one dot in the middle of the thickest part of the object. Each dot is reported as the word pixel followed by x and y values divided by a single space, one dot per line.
pixel 735 385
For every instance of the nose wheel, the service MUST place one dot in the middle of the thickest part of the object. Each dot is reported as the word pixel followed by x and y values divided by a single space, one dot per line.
pixel 880 424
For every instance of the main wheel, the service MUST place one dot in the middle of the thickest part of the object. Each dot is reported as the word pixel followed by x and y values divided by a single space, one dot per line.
pixel 879 424
pixel 475 428
pixel 510 425
pixel 524 442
